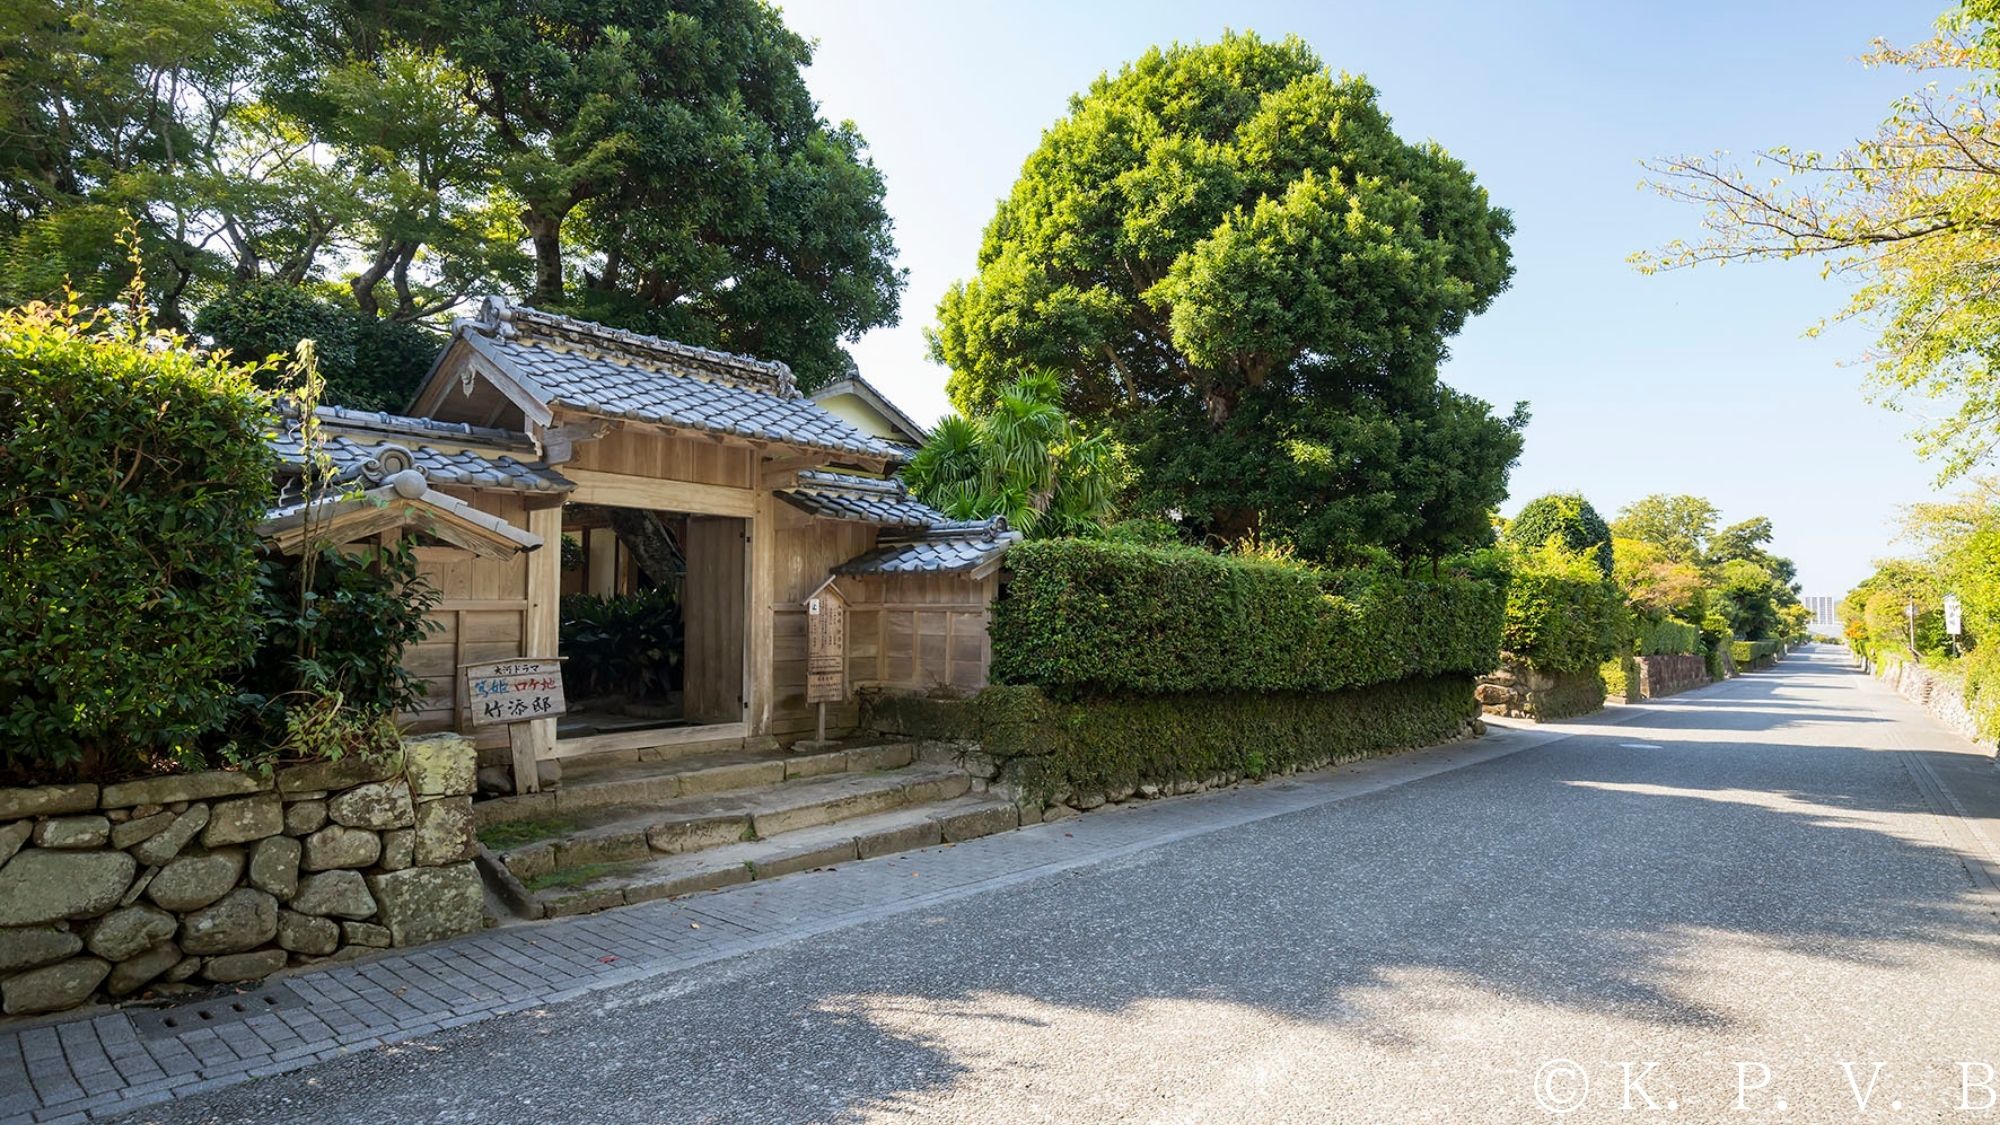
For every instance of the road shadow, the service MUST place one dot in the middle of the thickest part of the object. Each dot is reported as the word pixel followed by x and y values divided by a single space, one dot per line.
pixel 1582 876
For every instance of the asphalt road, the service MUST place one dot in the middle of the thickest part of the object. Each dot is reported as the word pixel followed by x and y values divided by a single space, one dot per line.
pixel 1735 893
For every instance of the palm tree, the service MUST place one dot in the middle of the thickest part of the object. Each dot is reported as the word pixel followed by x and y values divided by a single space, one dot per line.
pixel 1024 460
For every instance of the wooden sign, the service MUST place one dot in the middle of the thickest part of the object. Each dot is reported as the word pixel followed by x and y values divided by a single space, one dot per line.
pixel 826 646
pixel 513 691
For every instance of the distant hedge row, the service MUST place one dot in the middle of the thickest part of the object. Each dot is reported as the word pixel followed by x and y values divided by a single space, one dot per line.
pixel 1667 637
pixel 1087 615
pixel 1755 654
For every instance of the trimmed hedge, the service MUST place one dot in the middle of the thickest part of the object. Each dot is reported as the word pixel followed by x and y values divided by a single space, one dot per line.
pixel 1562 615
pixel 1116 618
pixel 1055 749
pixel 1755 654
pixel 1667 637
pixel 133 473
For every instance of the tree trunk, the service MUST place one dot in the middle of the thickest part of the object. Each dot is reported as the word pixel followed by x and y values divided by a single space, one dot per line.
pixel 545 232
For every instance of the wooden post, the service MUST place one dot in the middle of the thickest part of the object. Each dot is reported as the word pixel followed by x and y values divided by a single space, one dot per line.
pixel 534 741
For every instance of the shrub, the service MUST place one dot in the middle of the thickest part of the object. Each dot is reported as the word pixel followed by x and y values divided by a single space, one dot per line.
pixel 1567 518
pixel 329 663
pixel 1755 654
pixel 133 473
pixel 1085 615
pixel 1621 678
pixel 1667 637
pixel 368 363
pixel 629 645
pixel 1562 614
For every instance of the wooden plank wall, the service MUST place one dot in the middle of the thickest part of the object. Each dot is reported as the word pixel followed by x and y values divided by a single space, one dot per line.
pixel 482 613
pixel 807 551
pixel 662 456
pixel 928 631
pixel 713 619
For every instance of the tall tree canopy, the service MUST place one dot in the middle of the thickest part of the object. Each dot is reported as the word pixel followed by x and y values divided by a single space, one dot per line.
pixel 658 165
pixel 1226 251
pixel 1680 526
pixel 1912 213
pixel 1568 517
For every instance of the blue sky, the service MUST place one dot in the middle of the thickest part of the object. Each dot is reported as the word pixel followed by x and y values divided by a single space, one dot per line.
pixel 1699 382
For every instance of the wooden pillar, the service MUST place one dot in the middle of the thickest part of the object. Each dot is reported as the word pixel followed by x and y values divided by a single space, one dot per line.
pixel 759 651
pixel 534 741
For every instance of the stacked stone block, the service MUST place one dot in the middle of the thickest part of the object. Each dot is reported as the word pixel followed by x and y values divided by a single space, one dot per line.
pixel 222 877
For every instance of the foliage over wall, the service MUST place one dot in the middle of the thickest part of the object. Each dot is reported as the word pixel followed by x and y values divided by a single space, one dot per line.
pixel 1665 637
pixel 133 478
pixel 1563 615
pixel 1107 617
pixel 1755 654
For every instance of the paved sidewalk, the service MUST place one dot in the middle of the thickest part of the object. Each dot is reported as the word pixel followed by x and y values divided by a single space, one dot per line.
pixel 99 1065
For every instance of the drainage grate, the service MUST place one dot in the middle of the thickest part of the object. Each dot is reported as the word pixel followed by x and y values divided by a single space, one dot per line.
pixel 233 1007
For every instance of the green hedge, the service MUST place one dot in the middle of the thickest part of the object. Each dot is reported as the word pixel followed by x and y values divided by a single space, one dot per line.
pixel 1621 678
pixel 1056 748
pixel 1562 615
pixel 1667 637
pixel 1115 618
pixel 133 476
pixel 1755 654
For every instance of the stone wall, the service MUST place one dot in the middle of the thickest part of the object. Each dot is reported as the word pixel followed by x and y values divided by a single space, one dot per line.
pixel 1940 695
pixel 1057 757
pixel 1518 691
pixel 1669 674
pixel 168 882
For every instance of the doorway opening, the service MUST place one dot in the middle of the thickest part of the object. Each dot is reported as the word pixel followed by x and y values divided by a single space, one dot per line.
pixel 652 622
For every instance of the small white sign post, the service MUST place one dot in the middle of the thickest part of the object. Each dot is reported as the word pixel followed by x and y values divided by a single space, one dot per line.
pixel 1953 619
pixel 515 692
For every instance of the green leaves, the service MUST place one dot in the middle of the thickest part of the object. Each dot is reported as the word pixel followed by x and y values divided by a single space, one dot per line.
pixel 1024 460
pixel 1085 615
pixel 134 476
pixel 1227 229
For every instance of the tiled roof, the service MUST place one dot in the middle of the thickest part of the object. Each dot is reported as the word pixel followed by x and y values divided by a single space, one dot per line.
pixel 603 371
pixel 356 441
pixel 948 548
pixel 837 496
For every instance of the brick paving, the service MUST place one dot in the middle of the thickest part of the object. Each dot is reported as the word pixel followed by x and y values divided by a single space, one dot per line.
pixel 97 1063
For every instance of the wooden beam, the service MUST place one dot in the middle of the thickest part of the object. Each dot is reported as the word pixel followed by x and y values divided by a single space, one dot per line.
pixel 621 490
pixel 647 739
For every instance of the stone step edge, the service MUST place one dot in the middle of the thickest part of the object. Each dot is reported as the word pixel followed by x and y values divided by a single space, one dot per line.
pixel 711 780
pixel 950 822
pixel 649 833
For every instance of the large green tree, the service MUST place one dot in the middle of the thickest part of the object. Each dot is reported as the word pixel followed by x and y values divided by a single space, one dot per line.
pixel 1680 526
pixel 1226 251
pixel 657 165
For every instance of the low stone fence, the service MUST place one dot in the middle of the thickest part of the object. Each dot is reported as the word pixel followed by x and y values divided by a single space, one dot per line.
pixel 1518 691
pixel 224 877
pixel 1670 674
pixel 1940 695
pixel 1056 757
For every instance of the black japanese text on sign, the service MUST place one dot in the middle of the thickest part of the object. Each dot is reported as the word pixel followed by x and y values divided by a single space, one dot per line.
pixel 513 691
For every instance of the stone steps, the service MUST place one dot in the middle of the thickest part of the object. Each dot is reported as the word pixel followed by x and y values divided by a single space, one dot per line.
pixel 591 785
pixel 947 821
pixel 619 832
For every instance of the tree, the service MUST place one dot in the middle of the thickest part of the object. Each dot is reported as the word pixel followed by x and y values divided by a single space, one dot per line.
pixel 663 164
pixel 673 174
pixel 1746 541
pixel 369 363
pixel 1227 253
pixel 1912 213
pixel 1024 460
pixel 1656 586
pixel 1748 597
pixel 1679 525
pixel 1568 517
